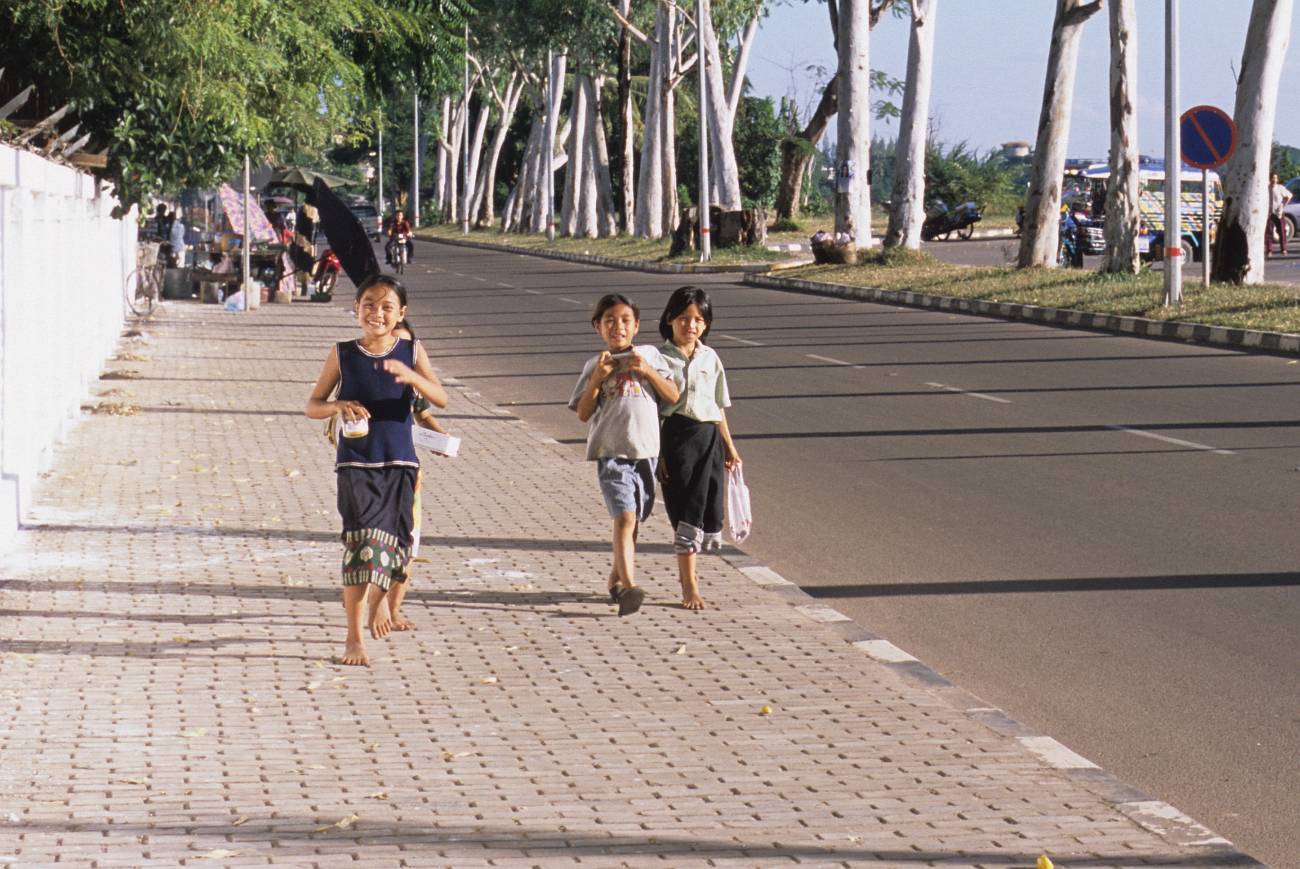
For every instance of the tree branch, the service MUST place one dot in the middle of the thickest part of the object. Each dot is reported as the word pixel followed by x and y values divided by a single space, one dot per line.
pixel 742 60
pixel 883 6
pixel 629 26
pixel 1080 14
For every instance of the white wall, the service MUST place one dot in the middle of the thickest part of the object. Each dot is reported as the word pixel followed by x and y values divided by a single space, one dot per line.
pixel 62 261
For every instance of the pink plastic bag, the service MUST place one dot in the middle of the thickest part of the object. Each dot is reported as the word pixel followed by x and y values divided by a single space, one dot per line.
pixel 739 517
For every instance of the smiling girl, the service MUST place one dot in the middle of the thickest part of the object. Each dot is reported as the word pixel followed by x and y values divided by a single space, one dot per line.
pixel 377 376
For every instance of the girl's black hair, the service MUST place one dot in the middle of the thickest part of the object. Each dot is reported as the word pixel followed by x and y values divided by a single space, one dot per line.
pixel 681 299
pixel 611 300
pixel 383 280
pixel 406 324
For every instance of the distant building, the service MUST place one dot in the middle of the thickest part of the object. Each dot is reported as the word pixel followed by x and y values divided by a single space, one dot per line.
pixel 1015 150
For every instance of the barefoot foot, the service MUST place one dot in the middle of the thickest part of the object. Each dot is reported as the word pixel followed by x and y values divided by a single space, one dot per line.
pixel 381 622
pixel 691 599
pixel 402 623
pixel 354 655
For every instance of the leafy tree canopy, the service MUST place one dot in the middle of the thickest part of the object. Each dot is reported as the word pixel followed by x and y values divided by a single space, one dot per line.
pixel 180 93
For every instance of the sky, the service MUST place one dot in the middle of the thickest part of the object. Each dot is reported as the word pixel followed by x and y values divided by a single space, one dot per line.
pixel 991 57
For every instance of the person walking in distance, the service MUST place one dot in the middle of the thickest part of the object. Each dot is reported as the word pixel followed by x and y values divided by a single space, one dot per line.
pixel 1278 197
pixel 695 443
pixel 618 393
pixel 377 376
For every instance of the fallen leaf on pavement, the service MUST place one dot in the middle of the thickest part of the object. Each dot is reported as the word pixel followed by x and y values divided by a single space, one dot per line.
pixel 240 821
pixel 132 781
pixel 681 650
pixel 219 854
pixel 378 795
pixel 340 824
pixel 196 732
pixel 488 680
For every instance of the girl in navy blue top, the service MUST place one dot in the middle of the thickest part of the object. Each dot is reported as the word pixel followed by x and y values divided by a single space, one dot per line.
pixel 377 376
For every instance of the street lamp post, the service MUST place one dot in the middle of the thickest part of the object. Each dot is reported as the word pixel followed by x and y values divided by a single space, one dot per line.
pixel 415 166
pixel 380 197
pixel 464 139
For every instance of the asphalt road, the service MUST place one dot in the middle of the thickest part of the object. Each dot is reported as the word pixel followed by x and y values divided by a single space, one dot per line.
pixel 1001 251
pixel 1095 533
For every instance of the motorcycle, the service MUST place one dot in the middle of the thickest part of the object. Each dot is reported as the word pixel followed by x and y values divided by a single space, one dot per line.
pixel 1069 252
pixel 326 272
pixel 398 251
pixel 942 221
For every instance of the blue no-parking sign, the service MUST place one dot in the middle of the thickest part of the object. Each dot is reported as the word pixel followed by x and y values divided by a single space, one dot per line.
pixel 1208 137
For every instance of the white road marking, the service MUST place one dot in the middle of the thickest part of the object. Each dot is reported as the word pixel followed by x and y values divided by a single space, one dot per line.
pixel 567 299
pixel 500 284
pixel 533 292
pixel 1054 753
pixel 1175 441
pixel 484 280
pixel 742 340
pixel 971 394
pixel 828 359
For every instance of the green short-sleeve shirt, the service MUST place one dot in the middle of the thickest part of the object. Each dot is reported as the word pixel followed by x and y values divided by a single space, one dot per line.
pixel 701 381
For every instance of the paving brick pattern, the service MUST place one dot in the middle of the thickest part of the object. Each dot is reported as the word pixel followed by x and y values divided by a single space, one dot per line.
pixel 168 694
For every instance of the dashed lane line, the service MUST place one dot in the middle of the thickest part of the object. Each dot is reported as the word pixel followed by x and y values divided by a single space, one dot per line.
pixel 567 299
pixel 829 359
pixel 742 340
pixel 1175 441
pixel 959 391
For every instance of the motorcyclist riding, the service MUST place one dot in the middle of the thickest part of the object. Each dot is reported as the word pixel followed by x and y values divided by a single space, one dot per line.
pixel 399 232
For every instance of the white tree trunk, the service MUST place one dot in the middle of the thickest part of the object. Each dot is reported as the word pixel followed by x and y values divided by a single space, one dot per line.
pixel 588 202
pixel 626 119
pixel 668 116
pixel 1239 247
pixel 1122 218
pixel 1038 241
pixel 649 188
pixel 440 183
pixel 576 148
pixel 607 217
pixel 476 148
pixel 907 210
pixel 724 173
pixel 485 205
pixel 853 124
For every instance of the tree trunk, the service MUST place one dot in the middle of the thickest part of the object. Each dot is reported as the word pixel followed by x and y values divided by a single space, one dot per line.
pixel 724 173
pixel 1239 246
pixel 668 115
pixel 1122 217
pixel 487 187
pixel 607 218
pixel 444 147
pixel 649 192
pixel 577 151
pixel 797 153
pixel 907 209
pixel 627 170
pixel 1038 241
pixel 853 125
pixel 476 155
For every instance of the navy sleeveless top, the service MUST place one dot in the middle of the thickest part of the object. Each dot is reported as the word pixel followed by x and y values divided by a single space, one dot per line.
pixel 363 379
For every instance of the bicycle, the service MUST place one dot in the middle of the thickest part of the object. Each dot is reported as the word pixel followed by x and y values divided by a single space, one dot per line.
pixel 143 285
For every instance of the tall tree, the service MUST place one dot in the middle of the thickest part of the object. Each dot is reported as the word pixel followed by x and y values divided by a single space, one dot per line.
pixel 1239 246
pixel 1122 219
pixel 907 199
pixel 1038 241
pixel 853 124
pixel 724 99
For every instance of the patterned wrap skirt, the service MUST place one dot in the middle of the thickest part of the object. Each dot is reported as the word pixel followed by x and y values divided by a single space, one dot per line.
pixel 691 454
pixel 378 509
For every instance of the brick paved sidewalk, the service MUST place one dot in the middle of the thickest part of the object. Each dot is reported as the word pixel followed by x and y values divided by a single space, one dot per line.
pixel 169 697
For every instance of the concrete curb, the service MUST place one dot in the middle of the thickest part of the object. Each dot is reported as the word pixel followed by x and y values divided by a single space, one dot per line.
pixel 1246 339
pixel 1156 816
pixel 611 262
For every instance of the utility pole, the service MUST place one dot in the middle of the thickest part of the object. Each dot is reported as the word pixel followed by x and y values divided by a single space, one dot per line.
pixel 415 165
pixel 706 248
pixel 380 198
pixel 548 155
pixel 1173 164
pixel 246 249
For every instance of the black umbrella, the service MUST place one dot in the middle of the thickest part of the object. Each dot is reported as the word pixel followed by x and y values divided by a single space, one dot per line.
pixel 346 235
pixel 303 179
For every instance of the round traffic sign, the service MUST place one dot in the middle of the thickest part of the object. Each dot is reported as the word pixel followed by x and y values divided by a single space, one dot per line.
pixel 1208 137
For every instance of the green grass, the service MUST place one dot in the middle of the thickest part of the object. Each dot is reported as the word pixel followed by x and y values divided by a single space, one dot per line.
pixel 1270 307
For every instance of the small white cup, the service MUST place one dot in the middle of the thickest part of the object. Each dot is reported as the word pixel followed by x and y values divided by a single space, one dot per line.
pixel 356 428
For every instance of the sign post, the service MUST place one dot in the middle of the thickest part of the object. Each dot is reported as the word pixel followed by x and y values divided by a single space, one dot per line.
pixel 1207 138
pixel 1172 253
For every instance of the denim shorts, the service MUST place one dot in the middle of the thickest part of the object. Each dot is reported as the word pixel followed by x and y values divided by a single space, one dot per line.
pixel 628 485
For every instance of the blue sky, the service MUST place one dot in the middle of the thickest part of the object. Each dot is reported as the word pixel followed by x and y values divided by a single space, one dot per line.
pixel 991 56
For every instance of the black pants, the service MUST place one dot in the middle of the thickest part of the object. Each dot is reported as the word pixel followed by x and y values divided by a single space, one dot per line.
pixel 691 455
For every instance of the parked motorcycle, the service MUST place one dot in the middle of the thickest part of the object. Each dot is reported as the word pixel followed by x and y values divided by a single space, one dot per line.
pixel 943 221
pixel 326 272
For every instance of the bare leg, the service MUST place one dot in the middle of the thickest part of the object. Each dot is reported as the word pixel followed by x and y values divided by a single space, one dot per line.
pixel 381 621
pixel 354 649
pixel 691 599
pixel 625 528
pixel 396 593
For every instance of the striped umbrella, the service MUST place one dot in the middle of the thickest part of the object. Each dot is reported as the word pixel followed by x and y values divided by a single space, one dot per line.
pixel 233 204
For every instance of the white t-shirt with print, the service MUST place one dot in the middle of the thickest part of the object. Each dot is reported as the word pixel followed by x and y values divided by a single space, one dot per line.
pixel 626 422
